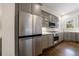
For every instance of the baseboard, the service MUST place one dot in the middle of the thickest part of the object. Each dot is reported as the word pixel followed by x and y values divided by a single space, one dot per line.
pixel 69 40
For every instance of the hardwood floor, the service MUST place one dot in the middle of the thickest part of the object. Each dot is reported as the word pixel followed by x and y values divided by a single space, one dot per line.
pixel 63 49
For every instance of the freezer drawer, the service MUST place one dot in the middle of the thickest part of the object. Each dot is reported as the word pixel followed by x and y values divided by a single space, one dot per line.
pixel 25 47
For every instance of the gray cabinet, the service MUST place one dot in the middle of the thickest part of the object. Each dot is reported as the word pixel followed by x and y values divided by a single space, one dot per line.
pixel 47 41
pixel 44 42
pixel 26 7
pixel 69 36
pixel 33 8
pixel 50 40
pixel 60 36
pixel 72 36
pixel 49 18
pixel 65 36
pixel 77 37
pixel 46 18
pixel 36 9
pixel 45 22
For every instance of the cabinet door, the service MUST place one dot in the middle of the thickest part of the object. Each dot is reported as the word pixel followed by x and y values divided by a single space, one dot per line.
pixel 60 37
pixel 68 35
pixel 45 42
pixel 72 36
pixel 37 49
pixel 64 36
pixel 36 9
pixel 45 21
pixel 51 42
pixel 26 7
pixel 77 37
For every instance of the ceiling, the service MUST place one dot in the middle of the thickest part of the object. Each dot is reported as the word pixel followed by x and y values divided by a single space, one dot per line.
pixel 62 8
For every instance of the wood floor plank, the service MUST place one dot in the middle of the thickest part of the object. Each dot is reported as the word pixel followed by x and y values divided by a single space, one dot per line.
pixel 63 49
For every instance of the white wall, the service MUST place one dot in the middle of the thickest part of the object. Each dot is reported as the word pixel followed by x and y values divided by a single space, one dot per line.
pixel 0 20
pixel 8 33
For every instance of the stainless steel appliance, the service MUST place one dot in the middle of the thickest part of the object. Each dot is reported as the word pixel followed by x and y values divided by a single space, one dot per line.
pixel 29 26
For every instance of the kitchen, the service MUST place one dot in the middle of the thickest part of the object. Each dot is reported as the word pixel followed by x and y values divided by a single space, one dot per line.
pixel 38 33
pixel 41 27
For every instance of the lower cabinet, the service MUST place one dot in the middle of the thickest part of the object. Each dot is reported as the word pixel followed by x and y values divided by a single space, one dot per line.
pixel 69 36
pixel 47 41
pixel 40 43
pixel 72 36
pixel 77 37
pixel 44 42
pixel 60 37
pixel 50 40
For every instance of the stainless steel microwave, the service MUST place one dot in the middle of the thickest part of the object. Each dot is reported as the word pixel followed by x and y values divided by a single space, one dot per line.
pixel 52 25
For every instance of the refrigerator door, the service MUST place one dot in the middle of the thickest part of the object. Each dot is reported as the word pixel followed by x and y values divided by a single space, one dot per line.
pixel 37 24
pixel 25 23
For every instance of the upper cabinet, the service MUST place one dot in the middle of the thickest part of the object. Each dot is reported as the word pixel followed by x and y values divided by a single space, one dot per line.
pixel 33 8
pixel 49 20
pixel 45 22
pixel 53 19
pixel 26 7
pixel 36 8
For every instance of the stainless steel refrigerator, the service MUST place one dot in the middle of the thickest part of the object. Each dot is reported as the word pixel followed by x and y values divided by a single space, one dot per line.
pixel 30 26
